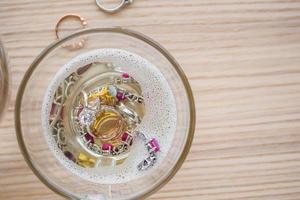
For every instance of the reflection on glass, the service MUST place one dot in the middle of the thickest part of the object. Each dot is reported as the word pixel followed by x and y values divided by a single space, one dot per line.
pixel 4 83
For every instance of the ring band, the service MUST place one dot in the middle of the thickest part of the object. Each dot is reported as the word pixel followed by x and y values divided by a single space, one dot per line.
pixel 115 9
pixel 83 22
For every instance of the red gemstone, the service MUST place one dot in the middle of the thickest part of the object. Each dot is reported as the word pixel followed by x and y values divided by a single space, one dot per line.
pixel 88 137
pixel 125 75
pixel 79 111
pixel 53 109
pixel 154 145
pixel 83 69
pixel 69 155
pixel 125 137
pixel 106 147
pixel 120 96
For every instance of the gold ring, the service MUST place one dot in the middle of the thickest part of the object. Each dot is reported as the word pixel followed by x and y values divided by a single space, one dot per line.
pixel 77 45
pixel 108 125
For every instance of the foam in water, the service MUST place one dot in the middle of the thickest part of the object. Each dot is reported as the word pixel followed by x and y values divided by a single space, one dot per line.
pixel 159 120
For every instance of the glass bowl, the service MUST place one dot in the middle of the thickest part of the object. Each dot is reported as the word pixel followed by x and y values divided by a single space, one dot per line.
pixel 4 80
pixel 29 106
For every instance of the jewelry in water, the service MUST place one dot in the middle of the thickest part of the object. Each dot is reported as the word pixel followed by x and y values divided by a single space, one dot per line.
pixel 93 118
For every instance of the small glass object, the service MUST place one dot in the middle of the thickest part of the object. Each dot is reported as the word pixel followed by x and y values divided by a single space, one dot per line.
pixel 70 146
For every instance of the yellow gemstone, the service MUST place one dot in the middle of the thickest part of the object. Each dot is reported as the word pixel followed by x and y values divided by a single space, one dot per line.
pixel 86 161
pixel 103 92
pixel 104 96
pixel 108 100
pixel 82 157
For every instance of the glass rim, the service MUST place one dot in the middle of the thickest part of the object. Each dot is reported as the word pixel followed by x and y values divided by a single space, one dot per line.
pixel 136 35
pixel 4 87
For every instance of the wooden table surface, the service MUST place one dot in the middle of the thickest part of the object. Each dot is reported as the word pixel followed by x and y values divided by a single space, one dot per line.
pixel 242 58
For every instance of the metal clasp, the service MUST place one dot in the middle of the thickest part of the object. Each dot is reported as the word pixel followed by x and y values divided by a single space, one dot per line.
pixel 115 9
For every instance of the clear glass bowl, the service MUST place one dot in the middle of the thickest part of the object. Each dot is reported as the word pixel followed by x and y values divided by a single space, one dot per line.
pixel 4 80
pixel 30 100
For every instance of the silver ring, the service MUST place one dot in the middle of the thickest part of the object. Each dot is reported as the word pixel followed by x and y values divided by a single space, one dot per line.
pixel 115 9
pixel 128 113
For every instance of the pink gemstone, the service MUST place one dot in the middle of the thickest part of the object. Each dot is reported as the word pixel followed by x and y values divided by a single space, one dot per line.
pixel 125 137
pixel 125 75
pixel 106 147
pixel 88 137
pixel 120 96
pixel 154 144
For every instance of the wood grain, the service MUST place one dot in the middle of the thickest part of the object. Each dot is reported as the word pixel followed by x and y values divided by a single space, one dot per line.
pixel 243 61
